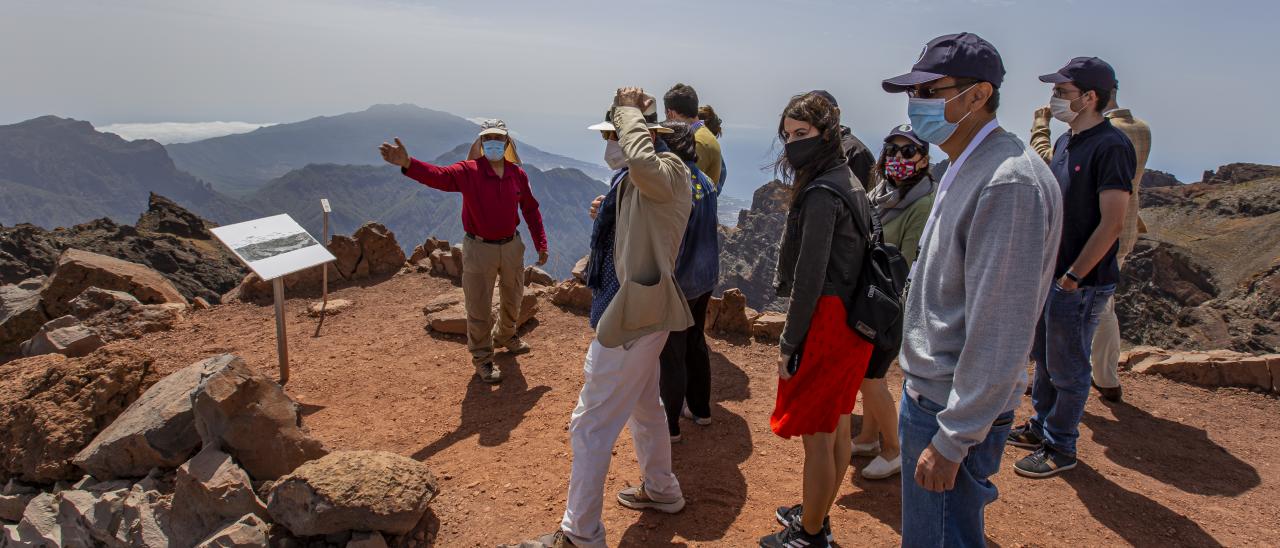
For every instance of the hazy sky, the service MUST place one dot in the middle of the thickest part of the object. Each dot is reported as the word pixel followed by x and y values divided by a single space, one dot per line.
pixel 1203 74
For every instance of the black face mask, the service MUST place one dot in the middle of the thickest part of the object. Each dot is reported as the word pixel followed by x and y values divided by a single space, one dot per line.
pixel 802 152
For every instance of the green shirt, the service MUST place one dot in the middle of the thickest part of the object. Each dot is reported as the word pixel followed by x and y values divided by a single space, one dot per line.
pixel 905 230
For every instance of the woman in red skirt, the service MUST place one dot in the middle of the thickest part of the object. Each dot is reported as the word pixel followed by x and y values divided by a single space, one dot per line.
pixel 822 361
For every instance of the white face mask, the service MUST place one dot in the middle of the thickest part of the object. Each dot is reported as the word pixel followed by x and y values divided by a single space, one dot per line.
pixel 1061 109
pixel 613 155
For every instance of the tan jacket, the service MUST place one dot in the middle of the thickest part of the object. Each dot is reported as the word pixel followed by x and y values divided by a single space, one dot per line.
pixel 1140 135
pixel 654 201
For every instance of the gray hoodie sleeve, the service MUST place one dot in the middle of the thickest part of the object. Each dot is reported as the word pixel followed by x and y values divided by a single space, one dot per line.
pixel 1004 250
pixel 817 222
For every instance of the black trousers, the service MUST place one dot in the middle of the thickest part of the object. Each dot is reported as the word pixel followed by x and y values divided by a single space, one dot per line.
pixel 686 368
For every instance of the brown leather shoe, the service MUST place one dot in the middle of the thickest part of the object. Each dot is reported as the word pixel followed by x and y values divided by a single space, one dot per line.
pixel 489 372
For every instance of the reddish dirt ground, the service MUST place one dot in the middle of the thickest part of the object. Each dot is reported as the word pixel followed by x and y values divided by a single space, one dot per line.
pixel 1175 465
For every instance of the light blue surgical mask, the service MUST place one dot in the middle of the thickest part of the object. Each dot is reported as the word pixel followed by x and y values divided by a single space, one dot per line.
pixel 494 150
pixel 929 118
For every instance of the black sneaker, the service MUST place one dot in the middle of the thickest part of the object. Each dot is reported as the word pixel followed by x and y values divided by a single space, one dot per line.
pixel 1043 463
pixel 1113 395
pixel 794 536
pixel 786 515
pixel 1025 437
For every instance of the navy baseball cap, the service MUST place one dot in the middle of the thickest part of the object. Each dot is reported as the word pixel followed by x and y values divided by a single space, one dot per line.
pixel 826 95
pixel 1085 73
pixel 904 130
pixel 964 55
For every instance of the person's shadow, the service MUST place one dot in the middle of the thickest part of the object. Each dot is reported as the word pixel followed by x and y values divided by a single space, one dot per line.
pixel 1171 452
pixel 1139 520
pixel 491 411
pixel 707 463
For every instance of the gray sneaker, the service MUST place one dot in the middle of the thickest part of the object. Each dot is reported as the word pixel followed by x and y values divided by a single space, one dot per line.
pixel 489 373
pixel 636 498
pixel 515 345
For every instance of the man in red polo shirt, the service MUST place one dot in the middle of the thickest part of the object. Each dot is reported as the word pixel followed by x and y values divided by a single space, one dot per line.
pixel 493 186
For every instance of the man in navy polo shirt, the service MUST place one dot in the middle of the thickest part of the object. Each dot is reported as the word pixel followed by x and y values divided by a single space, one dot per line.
pixel 1094 164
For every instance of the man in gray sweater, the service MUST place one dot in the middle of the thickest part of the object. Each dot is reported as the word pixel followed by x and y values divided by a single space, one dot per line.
pixel 983 272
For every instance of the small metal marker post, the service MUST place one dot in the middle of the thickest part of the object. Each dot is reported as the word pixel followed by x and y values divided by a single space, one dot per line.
pixel 324 268
pixel 282 343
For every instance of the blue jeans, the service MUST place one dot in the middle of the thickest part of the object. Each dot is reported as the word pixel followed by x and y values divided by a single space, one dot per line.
pixel 955 517
pixel 1064 341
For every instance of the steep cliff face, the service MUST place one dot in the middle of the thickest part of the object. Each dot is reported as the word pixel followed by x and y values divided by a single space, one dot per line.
pixel 749 251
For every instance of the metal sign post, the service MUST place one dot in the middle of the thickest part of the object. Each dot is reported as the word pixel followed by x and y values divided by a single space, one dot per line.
pixel 274 247
pixel 324 269
pixel 282 342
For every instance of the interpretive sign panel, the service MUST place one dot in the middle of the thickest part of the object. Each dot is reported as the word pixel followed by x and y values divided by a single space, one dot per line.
pixel 273 246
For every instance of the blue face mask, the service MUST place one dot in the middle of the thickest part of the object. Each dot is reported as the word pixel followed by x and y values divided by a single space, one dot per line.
pixel 929 119
pixel 494 150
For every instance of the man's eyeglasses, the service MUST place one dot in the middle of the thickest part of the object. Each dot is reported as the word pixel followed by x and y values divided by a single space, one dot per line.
pixel 907 151
pixel 1062 93
pixel 932 91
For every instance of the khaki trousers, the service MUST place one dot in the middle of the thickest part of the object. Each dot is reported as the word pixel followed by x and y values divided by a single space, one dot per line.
pixel 1105 356
pixel 482 264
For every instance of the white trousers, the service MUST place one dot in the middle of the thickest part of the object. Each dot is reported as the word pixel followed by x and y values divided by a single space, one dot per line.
pixel 621 388
pixel 1106 347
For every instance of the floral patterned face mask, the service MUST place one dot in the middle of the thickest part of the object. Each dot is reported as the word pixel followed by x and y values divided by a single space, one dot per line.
pixel 899 169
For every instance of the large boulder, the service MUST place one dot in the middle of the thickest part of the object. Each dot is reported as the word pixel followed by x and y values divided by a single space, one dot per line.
pixel 250 417
pixel 580 269
pixel 1212 368
pixel 54 406
pixel 572 295
pixel 89 517
pixel 209 490
pixel 20 313
pixel 165 216
pixel 537 276
pixel 353 490
pixel 79 270
pixel 116 315
pixel 768 327
pixel 379 253
pixel 447 313
pixel 347 252
pixel 157 431
pixel 447 263
pixel 733 316
pixel 143 518
pixel 39 525
pixel 64 335
pixel 247 532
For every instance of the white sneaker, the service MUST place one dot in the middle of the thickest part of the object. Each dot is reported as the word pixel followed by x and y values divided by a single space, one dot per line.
pixel 881 468
pixel 700 421
pixel 866 449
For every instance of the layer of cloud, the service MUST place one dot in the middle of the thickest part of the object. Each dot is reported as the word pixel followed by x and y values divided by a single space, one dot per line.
pixel 180 132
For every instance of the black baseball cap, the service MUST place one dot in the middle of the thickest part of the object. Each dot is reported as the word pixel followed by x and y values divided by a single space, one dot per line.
pixel 1085 73
pixel 904 130
pixel 826 95
pixel 964 55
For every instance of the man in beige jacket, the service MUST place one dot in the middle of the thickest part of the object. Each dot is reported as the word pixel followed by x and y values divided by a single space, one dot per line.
pixel 1106 341
pixel 635 304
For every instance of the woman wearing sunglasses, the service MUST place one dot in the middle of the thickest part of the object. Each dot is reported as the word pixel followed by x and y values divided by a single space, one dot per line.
pixel 902 198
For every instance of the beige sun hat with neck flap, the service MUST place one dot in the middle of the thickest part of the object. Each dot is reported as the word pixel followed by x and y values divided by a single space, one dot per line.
pixel 494 126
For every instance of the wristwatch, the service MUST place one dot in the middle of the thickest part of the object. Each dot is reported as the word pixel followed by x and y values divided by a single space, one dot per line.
pixel 1072 276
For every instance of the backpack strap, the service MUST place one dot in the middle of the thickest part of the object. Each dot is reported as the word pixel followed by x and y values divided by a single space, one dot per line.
pixel 877 233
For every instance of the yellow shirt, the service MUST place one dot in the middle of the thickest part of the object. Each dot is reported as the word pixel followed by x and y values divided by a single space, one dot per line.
pixel 708 148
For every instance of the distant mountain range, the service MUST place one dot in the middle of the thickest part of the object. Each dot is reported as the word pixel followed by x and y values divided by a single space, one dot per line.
pixel 57 172
pixel 61 172
pixel 242 163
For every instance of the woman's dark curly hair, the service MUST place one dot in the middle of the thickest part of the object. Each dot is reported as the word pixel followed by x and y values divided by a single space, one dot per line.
pixel 708 115
pixel 824 117
pixel 680 140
